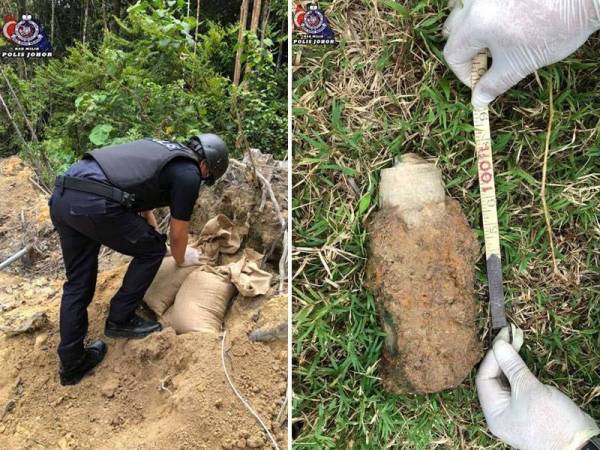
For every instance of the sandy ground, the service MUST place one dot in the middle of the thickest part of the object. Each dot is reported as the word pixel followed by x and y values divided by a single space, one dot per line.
pixel 165 391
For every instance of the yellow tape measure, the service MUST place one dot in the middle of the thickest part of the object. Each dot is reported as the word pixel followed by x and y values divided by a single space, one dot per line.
pixel 487 192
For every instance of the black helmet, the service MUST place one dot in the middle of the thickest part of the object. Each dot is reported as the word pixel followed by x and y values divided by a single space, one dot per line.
pixel 211 148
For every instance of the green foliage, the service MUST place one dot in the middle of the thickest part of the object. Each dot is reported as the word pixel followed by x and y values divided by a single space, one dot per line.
pixel 154 79
pixel 100 134
pixel 262 108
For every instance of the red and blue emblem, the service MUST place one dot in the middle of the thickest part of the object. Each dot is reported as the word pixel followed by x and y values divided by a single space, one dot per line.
pixel 26 33
pixel 313 25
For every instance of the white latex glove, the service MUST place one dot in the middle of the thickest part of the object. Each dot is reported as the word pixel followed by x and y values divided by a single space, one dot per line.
pixel 192 257
pixel 527 414
pixel 522 36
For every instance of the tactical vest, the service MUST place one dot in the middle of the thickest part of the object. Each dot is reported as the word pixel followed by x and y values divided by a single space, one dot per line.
pixel 135 168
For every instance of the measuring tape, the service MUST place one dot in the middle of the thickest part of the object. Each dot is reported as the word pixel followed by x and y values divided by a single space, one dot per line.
pixel 487 192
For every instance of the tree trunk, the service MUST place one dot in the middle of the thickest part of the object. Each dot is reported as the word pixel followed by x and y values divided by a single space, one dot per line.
pixel 116 11
pixel 238 56
pixel 197 24
pixel 255 16
pixel 104 15
pixel 254 21
pixel 188 9
pixel 281 47
pixel 264 20
pixel 85 19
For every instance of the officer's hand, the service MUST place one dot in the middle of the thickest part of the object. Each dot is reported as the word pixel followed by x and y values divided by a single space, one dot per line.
pixel 522 36
pixel 192 257
pixel 527 414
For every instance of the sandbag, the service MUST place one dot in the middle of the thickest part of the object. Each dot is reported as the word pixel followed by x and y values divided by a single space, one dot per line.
pixel 201 302
pixel 248 277
pixel 161 293
pixel 220 235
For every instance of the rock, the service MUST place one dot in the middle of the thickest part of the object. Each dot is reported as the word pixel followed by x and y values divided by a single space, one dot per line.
pixel 109 388
pixel 9 407
pixel 272 322
pixel 7 305
pixel 255 442
pixel 240 443
pixel 117 421
pixel 19 388
pixel 40 340
pixel 67 442
pixel 421 264
pixel 58 401
pixel 62 444
pixel 22 320
pixel 219 403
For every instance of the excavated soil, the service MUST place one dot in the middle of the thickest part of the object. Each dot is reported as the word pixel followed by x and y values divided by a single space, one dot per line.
pixel 242 198
pixel 164 391
pixel 423 280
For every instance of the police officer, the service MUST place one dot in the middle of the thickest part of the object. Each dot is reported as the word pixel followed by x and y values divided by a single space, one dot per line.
pixel 107 199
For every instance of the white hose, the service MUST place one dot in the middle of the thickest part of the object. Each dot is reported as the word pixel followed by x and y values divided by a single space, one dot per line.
pixel 246 404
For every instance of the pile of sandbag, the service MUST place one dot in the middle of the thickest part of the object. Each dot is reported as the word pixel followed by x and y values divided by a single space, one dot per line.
pixel 196 298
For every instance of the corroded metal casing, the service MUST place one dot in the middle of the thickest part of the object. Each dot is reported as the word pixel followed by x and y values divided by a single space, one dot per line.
pixel 422 256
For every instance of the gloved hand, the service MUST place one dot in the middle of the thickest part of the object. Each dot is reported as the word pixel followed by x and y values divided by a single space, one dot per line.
pixel 192 257
pixel 522 36
pixel 527 414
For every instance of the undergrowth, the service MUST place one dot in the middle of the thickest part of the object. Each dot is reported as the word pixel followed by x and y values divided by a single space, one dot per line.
pixel 154 79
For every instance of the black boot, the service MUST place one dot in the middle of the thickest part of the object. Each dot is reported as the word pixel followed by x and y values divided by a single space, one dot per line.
pixel 136 328
pixel 71 372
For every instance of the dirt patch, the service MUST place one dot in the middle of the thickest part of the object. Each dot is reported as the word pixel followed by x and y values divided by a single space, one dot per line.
pixel 421 268
pixel 165 391
pixel 24 217
pixel 272 320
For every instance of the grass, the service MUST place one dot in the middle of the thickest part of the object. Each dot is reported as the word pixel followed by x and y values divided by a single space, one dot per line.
pixel 383 91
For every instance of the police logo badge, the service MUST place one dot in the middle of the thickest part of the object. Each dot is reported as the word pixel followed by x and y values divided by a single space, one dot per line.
pixel 311 26
pixel 28 38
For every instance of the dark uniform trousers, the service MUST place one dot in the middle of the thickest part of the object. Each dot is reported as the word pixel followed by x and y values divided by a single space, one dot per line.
pixel 85 221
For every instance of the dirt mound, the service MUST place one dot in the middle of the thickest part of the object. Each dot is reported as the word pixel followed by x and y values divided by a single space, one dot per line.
pixel 421 266
pixel 241 198
pixel 24 215
pixel 165 391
